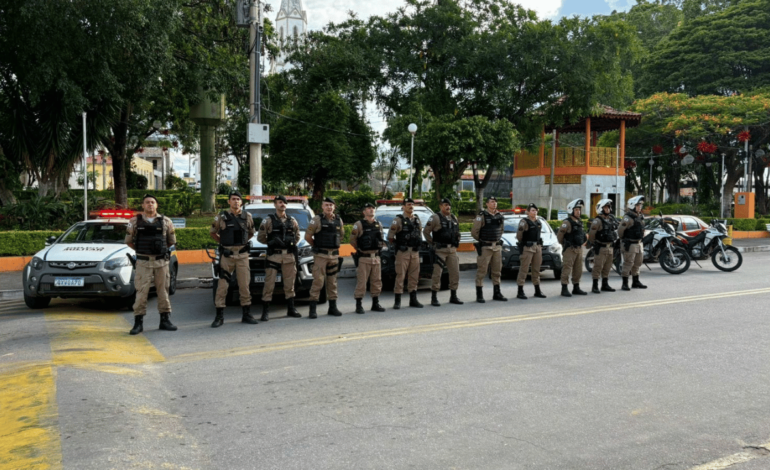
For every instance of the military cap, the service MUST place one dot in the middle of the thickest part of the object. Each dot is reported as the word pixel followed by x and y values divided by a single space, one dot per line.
pixel 235 193
pixel 407 200
pixel 531 206
pixel 150 195
pixel 328 199
pixel 446 201
pixel 368 204
pixel 280 198
pixel 491 198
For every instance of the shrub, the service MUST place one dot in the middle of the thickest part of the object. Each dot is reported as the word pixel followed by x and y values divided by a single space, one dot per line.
pixel 18 243
pixel 743 224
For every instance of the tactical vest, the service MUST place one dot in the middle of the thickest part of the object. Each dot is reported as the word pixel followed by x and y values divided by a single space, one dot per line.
pixel 328 237
pixel 282 231
pixel 532 234
pixel 636 231
pixel 608 233
pixel 576 236
pixel 371 238
pixel 449 234
pixel 150 239
pixel 409 236
pixel 235 232
pixel 492 231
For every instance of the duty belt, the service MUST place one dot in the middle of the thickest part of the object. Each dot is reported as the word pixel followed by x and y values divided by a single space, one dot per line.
pixel 328 252
pixel 369 255
pixel 441 246
pixel 280 252
pixel 150 257
pixel 483 243
pixel 606 244
pixel 408 248
pixel 228 253
pixel 632 241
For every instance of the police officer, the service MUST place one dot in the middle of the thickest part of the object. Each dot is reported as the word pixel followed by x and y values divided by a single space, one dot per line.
pixel 488 232
pixel 572 237
pixel 530 244
pixel 151 235
pixel 602 236
pixel 233 229
pixel 367 239
pixel 280 232
pixel 406 233
pixel 324 234
pixel 443 231
pixel 631 232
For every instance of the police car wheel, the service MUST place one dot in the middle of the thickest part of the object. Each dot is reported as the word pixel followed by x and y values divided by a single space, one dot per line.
pixel 36 302
pixel 172 281
pixel 127 302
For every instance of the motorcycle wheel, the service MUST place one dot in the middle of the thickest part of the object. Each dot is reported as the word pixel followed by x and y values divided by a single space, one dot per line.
pixel 679 264
pixel 589 262
pixel 732 262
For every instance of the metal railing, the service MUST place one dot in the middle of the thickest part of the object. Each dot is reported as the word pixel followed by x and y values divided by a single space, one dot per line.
pixel 568 157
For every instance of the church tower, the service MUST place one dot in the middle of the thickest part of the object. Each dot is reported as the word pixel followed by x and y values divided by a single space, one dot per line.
pixel 290 24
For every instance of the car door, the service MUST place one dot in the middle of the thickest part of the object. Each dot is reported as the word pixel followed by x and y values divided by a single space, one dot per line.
pixel 691 226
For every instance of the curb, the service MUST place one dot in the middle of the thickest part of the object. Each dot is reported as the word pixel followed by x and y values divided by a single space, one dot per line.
pixel 753 249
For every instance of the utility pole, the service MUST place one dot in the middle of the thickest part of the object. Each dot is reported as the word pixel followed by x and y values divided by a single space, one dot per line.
pixel 553 167
pixel 85 172
pixel 255 149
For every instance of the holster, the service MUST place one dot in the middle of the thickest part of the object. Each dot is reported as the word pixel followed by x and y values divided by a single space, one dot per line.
pixel 273 265
pixel 437 260
pixel 479 248
pixel 132 260
pixel 223 274
pixel 626 245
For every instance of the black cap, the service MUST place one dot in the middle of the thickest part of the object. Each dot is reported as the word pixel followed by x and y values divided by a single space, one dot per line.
pixel 446 201
pixel 368 204
pixel 407 200
pixel 150 195
pixel 328 199
pixel 491 198
pixel 235 193
pixel 280 198
pixel 531 206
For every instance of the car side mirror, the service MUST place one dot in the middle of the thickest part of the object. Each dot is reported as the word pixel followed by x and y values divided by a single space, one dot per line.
pixel 50 240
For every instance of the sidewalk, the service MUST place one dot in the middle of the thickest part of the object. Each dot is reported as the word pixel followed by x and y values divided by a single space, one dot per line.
pixel 750 245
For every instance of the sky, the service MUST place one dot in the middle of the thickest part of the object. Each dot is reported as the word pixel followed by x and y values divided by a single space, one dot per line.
pixel 322 12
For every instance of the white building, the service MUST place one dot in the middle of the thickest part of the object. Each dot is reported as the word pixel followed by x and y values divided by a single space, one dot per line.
pixel 290 25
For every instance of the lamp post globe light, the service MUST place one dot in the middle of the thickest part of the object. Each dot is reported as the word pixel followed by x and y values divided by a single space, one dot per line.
pixel 412 128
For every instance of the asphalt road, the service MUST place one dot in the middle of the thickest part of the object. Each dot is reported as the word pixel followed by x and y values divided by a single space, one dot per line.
pixel 672 377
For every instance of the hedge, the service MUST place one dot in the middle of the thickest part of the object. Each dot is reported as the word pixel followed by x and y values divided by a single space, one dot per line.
pixel 19 243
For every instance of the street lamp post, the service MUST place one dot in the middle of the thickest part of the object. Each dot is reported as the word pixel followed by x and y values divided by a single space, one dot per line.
pixel 652 162
pixel 412 130
pixel 722 190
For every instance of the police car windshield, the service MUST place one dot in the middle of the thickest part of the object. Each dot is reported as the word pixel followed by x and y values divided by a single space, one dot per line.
pixel 302 216
pixel 512 225
pixel 95 233
pixel 386 217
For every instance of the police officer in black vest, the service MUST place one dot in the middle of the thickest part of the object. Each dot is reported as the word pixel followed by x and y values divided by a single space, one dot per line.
pixel 488 231
pixel 602 236
pixel 572 237
pixel 367 239
pixel 324 234
pixel 631 232
pixel 443 231
pixel 406 234
pixel 530 244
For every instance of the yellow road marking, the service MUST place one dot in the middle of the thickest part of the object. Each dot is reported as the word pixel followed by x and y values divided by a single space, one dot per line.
pixel 29 435
pixel 326 340
pixel 730 460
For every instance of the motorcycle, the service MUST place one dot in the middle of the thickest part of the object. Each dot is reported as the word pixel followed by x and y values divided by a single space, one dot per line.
pixel 709 243
pixel 617 261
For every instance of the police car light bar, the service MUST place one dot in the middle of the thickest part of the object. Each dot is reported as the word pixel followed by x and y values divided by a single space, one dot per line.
pixel 385 202
pixel 270 198
pixel 516 210
pixel 113 214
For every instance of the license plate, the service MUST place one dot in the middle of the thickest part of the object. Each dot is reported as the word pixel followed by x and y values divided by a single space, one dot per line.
pixel 262 278
pixel 69 282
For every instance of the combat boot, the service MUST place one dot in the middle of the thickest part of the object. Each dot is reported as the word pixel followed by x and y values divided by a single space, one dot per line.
pixel 265 308
pixel 413 300
pixel 595 288
pixel 636 284
pixel 333 311
pixel 606 286
pixel 138 325
pixel 480 294
pixel 453 299
pixel 290 310
pixel 165 323
pixel 247 318
pixel 498 295
pixel 313 315
pixel 521 294
pixel 397 302
pixel 625 284
pixel 359 307
pixel 538 293
pixel 577 291
pixel 434 299
pixel 219 319
pixel 565 291
pixel 376 307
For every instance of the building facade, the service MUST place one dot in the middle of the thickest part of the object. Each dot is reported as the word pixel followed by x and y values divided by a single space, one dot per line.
pixel 290 25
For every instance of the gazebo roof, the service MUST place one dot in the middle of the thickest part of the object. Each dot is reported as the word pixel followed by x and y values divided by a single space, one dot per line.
pixel 605 119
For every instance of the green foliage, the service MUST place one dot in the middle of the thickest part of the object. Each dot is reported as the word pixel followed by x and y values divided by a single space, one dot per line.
pixel 224 189
pixel 749 224
pixel 467 195
pixel 173 181
pixel 19 243
pixel 193 238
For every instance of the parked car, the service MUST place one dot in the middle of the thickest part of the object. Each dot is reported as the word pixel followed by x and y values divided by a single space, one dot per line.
pixel 687 224
pixel 552 249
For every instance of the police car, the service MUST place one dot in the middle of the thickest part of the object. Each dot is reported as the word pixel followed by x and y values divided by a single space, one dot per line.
pixel 552 249
pixel 90 259
pixel 297 207
pixel 386 211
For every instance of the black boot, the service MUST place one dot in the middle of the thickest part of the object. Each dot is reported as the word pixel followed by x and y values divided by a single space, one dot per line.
pixel 247 318
pixel 359 307
pixel 521 294
pixel 625 284
pixel 577 291
pixel 313 314
pixel 498 295
pixel 565 291
pixel 265 308
pixel 290 310
pixel 333 311
pixel 165 323
pixel 397 302
pixel 595 288
pixel 606 286
pixel 219 319
pixel 434 299
pixel 454 300
pixel 636 284
pixel 376 307
pixel 538 293
pixel 413 300
pixel 479 294
pixel 138 325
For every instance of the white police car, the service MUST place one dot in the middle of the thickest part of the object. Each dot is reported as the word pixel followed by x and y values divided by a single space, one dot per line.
pixel 90 259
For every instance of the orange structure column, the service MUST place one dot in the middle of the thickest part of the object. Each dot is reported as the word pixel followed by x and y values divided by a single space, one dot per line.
pixel 588 143
pixel 622 155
